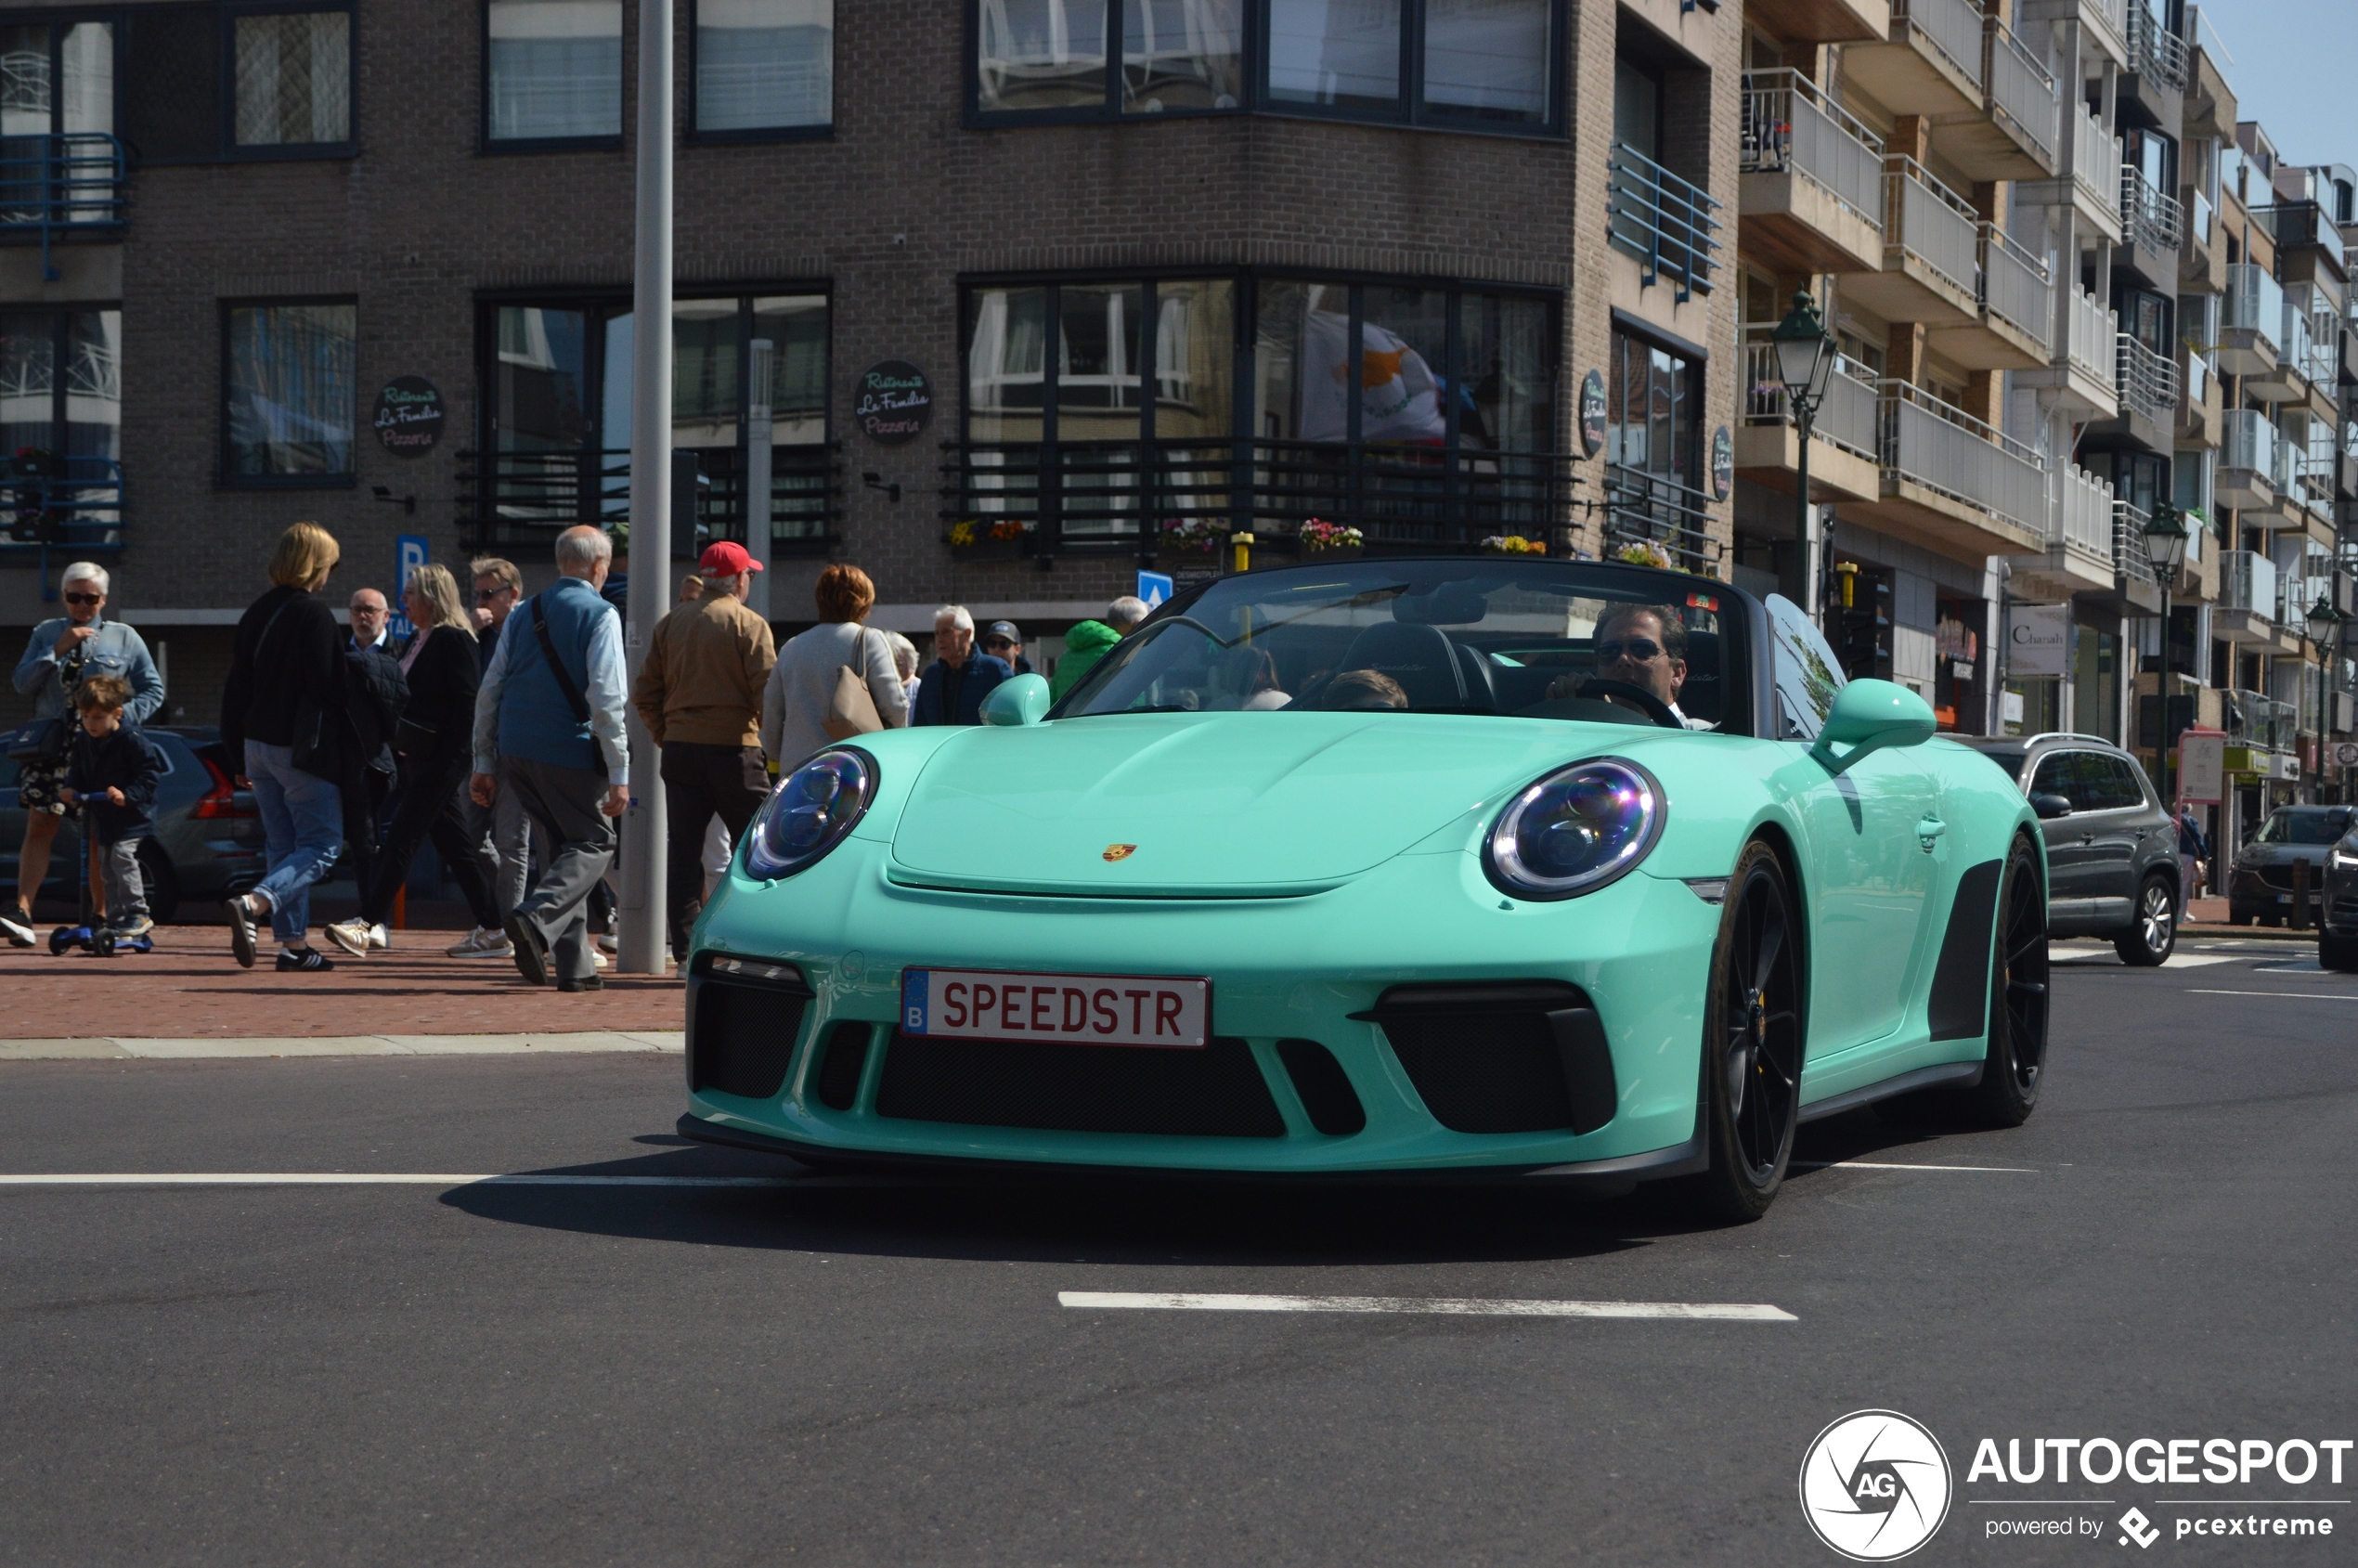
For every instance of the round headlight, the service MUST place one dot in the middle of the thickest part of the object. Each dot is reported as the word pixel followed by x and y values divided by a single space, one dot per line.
pixel 812 809
pixel 1576 830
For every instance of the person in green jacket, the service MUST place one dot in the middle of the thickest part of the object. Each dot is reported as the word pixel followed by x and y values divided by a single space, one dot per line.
pixel 1087 642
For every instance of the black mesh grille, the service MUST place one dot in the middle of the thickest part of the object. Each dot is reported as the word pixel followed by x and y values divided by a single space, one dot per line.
pixel 839 1069
pixel 1484 1071
pixel 1333 1105
pixel 741 1038
pixel 1217 1092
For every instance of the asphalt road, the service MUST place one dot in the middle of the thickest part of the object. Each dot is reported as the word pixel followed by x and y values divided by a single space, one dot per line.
pixel 852 1371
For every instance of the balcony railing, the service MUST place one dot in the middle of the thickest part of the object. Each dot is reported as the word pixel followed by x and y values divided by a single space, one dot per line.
pixel 2148 382
pixel 2017 288
pixel 2296 346
pixel 1667 222
pixel 71 503
pixel 2302 223
pixel 1952 27
pixel 1942 448
pixel 2130 559
pixel 1926 219
pixel 2022 91
pixel 2258 721
pixel 2198 380
pixel 55 186
pixel 1130 494
pixel 1790 126
pixel 2154 50
pixel 2095 159
pixel 2250 442
pixel 1845 417
pixel 2151 219
pixel 2199 216
pixel 1655 509
pixel 2254 303
pixel 2083 516
pixel 515 497
pixel 2088 341
pixel 2247 582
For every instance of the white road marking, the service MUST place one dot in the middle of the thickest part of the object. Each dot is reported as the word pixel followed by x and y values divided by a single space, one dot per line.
pixel 1156 1300
pixel 389 1178
pixel 2112 961
pixel 1881 1165
pixel 2314 995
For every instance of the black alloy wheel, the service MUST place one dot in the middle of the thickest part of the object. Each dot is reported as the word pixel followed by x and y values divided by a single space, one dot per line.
pixel 2154 938
pixel 2016 1064
pixel 1753 1036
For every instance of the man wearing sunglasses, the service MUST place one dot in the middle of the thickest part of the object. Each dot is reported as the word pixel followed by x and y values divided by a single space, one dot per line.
pixel 64 651
pixel 1646 648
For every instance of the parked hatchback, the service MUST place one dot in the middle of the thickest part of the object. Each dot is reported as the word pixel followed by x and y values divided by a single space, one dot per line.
pixel 2262 885
pixel 2337 921
pixel 2112 850
pixel 208 839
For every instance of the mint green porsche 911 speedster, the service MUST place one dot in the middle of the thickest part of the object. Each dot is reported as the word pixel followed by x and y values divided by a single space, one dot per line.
pixel 1533 869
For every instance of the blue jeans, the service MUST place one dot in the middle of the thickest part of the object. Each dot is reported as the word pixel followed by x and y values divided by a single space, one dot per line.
pixel 302 830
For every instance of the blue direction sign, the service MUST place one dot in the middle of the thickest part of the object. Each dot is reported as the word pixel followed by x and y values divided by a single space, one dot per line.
pixel 408 554
pixel 1154 588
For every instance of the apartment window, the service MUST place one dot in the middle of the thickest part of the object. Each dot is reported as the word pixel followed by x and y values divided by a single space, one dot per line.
pixel 292 73
pixel 1487 64
pixel 764 67
pixel 61 383
pixel 1135 411
pixel 1653 410
pixel 56 79
pixel 559 417
pixel 288 393
pixel 552 74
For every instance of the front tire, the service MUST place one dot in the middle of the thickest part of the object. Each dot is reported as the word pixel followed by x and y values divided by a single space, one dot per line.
pixel 2338 953
pixel 2154 938
pixel 1752 1042
pixel 2016 1066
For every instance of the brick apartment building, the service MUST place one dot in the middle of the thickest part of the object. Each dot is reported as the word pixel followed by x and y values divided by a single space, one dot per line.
pixel 1139 251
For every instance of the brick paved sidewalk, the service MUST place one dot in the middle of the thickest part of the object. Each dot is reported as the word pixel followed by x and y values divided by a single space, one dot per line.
pixel 191 987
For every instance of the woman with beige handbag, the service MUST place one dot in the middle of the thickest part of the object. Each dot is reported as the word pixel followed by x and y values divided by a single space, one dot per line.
pixel 836 680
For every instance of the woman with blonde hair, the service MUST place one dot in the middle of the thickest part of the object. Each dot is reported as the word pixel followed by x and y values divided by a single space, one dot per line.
pixel 279 713
pixel 434 746
pixel 794 704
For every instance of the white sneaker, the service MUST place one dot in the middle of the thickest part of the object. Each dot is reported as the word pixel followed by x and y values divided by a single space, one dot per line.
pixel 19 932
pixel 377 937
pixel 350 935
pixel 598 958
pixel 483 942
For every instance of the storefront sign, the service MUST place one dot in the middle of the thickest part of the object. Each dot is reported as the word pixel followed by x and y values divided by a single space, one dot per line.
pixel 2346 754
pixel 1592 413
pixel 2202 767
pixel 1723 463
pixel 2037 641
pixel 895 401
pixel 408 418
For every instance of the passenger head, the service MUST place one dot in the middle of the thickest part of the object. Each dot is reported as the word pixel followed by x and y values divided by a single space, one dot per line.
pixel 1354 690
pixel 1645 645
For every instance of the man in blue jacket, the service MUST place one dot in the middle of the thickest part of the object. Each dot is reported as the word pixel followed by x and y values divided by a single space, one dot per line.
pixel 953 687
pixel 549 728
pixel 64 651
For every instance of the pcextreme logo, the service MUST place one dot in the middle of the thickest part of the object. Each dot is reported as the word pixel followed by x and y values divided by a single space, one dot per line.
pixel 1875 1485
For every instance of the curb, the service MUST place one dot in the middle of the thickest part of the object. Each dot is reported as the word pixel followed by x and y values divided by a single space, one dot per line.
pixel 115 1048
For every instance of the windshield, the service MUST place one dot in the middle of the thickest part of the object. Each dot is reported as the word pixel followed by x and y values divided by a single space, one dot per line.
pixel 1533 639
pixel 2305 827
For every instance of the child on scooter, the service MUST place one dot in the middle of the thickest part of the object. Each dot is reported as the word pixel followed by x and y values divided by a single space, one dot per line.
pixel 110 776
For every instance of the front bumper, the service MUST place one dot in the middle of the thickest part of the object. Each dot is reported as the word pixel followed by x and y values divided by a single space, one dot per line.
pixel 1282 970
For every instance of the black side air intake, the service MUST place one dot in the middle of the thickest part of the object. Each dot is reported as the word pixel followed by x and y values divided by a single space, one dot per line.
pixel 1325 1091
pixel 1959 1005
pixel 742 1027
pixel 1522 1056
pixel 837 1085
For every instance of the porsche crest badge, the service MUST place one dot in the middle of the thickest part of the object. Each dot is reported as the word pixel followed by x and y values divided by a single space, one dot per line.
pixel 1120 851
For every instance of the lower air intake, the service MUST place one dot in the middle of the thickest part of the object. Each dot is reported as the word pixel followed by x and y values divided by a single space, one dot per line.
pixel 1502 1059
pixel 741 1038
pixel 1214 1092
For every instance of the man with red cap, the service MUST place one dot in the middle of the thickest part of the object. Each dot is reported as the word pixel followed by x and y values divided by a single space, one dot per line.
pixel 699 693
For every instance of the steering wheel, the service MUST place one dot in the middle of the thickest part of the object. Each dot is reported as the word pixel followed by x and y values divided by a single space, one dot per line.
pixel 1628 695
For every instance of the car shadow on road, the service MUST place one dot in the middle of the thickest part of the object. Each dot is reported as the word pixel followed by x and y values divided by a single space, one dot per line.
pixel 1121 1218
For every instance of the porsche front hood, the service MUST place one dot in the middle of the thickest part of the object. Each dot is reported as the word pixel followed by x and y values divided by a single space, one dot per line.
pixel 1212 804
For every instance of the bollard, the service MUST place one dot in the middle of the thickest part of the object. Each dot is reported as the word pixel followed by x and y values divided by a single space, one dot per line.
pixel 2300 895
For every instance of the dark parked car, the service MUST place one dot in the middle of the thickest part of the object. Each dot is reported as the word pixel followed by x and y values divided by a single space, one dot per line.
pixel 2337 921
pixel 2112 850
pixel 208 839
pixel 2261 884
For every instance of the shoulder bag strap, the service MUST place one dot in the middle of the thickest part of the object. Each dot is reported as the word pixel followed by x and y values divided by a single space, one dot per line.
pixel 556 666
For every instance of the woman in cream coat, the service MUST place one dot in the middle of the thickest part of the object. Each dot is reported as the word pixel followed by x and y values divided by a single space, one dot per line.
pixel 794 705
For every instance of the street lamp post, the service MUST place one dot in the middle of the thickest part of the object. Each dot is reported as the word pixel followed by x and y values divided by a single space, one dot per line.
pixel 2324 631
pixel 2166 548
pixel 1804 358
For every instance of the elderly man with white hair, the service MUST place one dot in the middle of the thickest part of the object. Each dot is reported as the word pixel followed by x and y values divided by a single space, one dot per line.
pixel 64 651
pixel 953 687
pixel 549 728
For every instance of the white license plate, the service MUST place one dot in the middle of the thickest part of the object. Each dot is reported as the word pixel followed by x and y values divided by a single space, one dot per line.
pixel 2283 898
pixel 1150 1010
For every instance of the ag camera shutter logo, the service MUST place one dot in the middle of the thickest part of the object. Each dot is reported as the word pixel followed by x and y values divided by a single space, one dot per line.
pixel 1875 1485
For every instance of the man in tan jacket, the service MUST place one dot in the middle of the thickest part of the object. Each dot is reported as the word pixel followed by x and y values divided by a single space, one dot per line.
pixel 699 695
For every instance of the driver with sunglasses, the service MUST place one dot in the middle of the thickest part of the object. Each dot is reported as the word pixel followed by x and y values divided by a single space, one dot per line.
pixel 1645 647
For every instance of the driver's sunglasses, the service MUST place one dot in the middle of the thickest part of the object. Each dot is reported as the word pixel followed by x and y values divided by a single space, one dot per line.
pixel 86 598
pixel 1637 648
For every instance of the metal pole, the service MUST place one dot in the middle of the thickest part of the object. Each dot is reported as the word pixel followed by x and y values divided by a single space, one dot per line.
pixel 2161 743
pixel 1804 416
pixel 642 835
pixel 758 440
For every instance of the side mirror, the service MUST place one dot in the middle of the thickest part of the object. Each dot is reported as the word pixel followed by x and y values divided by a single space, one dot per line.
pixel 1021 700
pixel 1871 715
pixel 2050 807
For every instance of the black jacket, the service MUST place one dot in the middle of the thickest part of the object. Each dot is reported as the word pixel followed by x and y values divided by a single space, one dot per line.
pixel 981 676
pixel 297 676
pixel 126 760
pixel 355 752
pixel 443 680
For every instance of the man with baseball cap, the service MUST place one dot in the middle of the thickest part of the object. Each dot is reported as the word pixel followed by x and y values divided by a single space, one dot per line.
pixel 699 695
pixel 1004 640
